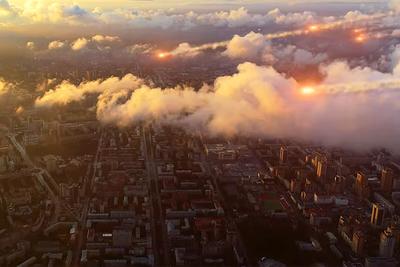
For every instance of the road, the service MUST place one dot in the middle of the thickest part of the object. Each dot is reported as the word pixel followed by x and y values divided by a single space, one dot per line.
pixel 160 238
pixel 39 174
pixel 85 209
pixel 21 151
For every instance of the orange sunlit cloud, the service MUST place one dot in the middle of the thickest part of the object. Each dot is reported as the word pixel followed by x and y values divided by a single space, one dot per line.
pixel 360 38
pixel 307 90
pixel 313 28
pixel 358 30
pixel 163 55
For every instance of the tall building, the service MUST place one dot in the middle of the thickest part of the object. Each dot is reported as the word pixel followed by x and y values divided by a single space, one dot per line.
pixel 322 167
pixel 339 184
pixel 358 242
pixel 283 154
pixel 361 186
pixel 387 243
pixel 295 185
pixel 395 226
pixel 377 214
pixel 387 180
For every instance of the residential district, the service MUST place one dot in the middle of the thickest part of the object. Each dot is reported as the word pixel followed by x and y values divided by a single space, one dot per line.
pixel 77 193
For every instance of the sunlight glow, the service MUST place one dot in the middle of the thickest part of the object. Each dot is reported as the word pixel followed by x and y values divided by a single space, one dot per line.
pixel 162 55
pixel 307 90
pixel 360 38
pixel 313 28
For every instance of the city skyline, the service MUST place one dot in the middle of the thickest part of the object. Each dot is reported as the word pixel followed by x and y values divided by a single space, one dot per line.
pixel 199 133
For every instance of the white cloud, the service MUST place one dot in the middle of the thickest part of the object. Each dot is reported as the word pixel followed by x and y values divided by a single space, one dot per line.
pixel 56 45
pixel 395 4
pixel 304 57
pixel 6 10
pixel 66 92
pixel 396 33
pixel 256 47
pixel 260 102
pixel 139 49
pixel 45 11
pixel 30 45
pixel 5 87
pixel 250 46
pixel 79 44
pixel 105 39
pixel 99 42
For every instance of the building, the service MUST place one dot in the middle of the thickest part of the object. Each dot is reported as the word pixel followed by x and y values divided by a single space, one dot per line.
pixel 51 163
pixel 387 243
pixel 380 262
pixel 358 242
pixel 377 214
pixel 387 180
pixel 338 185
pixel 122 238
pixel 361 185
pixel 322 166
pixel 283 154
pixel 295 185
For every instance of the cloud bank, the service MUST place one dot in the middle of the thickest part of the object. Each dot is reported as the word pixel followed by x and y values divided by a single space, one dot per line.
pixel 254 46
pixel 355 107
pixel 41 12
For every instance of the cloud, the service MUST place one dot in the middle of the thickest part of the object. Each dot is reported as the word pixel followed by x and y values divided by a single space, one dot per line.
pixel 66 92
pixel 30 45
pixel 74 11
pixel 257 41
pixel 56 45
pixel 105 39
pixel 5 87
pixel 396 33
pixel 242 17
pixel 45 11
pixel 395 5
pixel 79 44
pixel 341 71
pixel 186 50
pixel 233 18
pixel 304 57
pixel 257 48
pixel 257 101
pixel 303 18
pixel 6 10
pixel 20 110
pixel 395 59
pixel 250 46
pixel 97 41
pixel 139 49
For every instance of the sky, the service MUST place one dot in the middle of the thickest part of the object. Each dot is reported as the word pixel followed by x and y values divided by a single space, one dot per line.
pixel 73 12
pixel 348 51
pixel 189 4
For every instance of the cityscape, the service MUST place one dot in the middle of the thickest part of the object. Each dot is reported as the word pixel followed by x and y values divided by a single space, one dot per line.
pixel 199 133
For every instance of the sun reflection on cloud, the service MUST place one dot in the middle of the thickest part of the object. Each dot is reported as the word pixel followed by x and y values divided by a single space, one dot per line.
pixel 307 90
